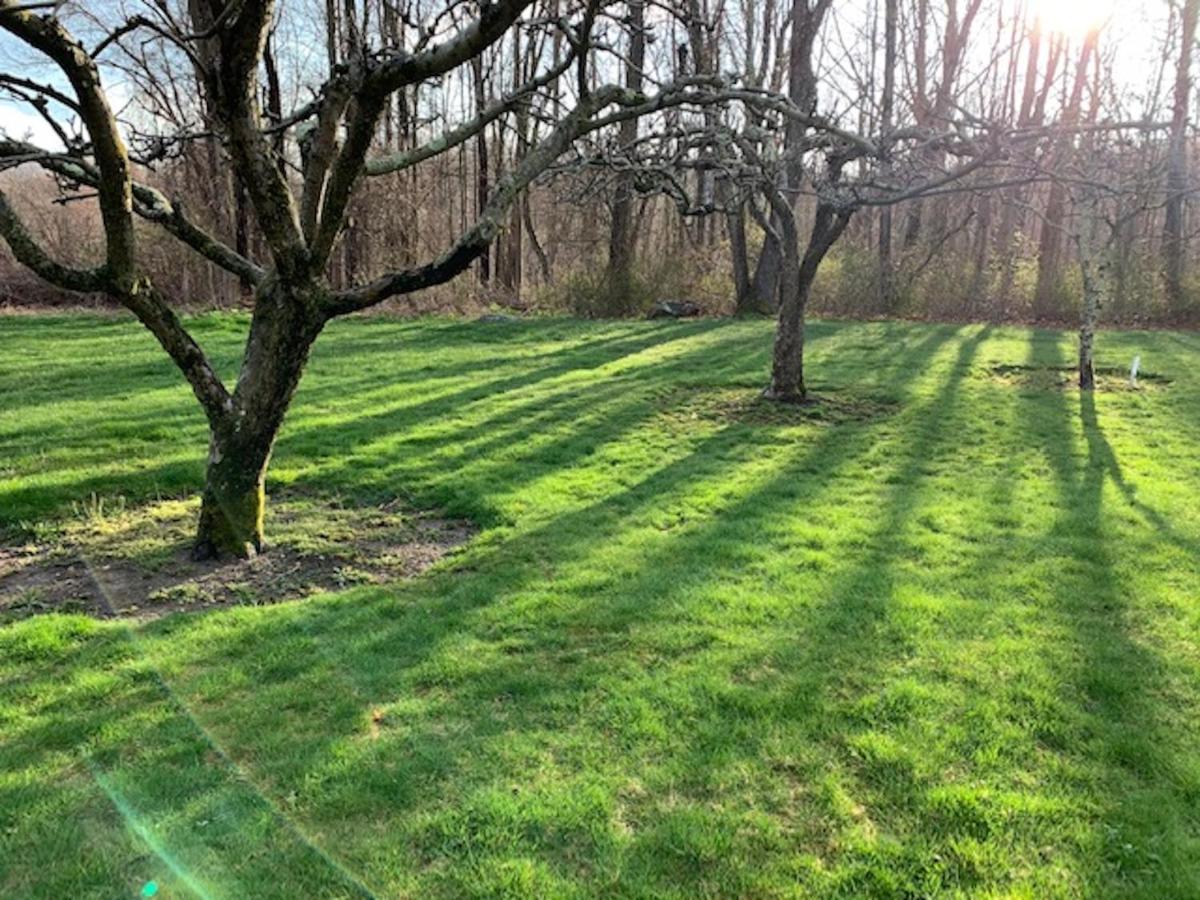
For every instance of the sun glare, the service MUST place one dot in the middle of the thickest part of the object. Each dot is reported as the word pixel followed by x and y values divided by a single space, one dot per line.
pixel 1074 18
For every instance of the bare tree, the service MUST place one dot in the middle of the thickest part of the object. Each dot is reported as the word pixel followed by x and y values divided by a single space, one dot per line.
pixel 807 17
pixel 622 233
pixel 932 105
pixel 300 219
pixel 1174 222
pixel 1050 241
pixel 887 107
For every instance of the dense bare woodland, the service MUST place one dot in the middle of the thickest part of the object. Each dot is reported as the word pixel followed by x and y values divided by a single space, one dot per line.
pixel 995 244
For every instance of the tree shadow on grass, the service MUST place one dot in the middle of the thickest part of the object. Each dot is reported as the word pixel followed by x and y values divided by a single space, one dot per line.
pixel 135 724
pixel 632 690
pixel 637 694
pixel 1118 686
pixel 141 438
pixel 470 674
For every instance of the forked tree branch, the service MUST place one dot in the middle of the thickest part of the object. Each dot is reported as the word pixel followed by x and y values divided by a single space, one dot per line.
pixel 148 203
pixel 583 119
pixel 448 140
pixel 118 276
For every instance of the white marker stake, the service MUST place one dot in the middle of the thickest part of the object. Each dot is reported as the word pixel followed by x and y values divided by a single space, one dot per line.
pixel 1133 371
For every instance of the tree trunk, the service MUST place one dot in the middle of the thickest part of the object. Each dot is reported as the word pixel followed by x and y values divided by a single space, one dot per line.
pixel 735 224
pixel 977 292
pixel 887 287
pixel 1093 267
pixel 787 362
pixel 621 238
pixel 796 281
pixel 1177 163
pixel 231 512
pixel 764 286
pixel 482 186
pixel 282 332
pixel 1087 340
pixel 1087 325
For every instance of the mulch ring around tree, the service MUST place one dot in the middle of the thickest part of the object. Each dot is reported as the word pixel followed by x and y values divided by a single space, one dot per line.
pixel 110 560
pixel 1108 378
pixel 745 405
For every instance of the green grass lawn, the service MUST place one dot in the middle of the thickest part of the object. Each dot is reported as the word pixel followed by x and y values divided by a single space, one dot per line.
pixel 945 645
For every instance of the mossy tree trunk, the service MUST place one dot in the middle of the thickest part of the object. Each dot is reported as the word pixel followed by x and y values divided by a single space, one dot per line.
pixel 285 324
pixel 234 503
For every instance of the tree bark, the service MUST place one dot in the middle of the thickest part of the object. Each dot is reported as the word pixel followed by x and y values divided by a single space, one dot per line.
pixel 622 234
pixel 1087 324
pixel 234 500
pixel 977 292
pixel 1177 162
pixel 796 281
pixel 285 325
pixel 764 286
pixel 735 225
pixel 1092 250
pixel 482 187
pixel 787 361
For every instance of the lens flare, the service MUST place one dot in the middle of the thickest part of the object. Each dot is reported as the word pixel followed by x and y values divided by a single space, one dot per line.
pixel 1074 18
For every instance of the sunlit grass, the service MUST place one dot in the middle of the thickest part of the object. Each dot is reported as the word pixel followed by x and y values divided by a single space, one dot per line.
pixel 948 646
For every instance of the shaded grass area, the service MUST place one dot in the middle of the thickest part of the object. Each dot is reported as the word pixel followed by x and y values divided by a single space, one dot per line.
pixel 939 640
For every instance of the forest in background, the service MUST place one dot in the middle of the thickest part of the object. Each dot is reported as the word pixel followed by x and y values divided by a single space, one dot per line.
pixel 993 246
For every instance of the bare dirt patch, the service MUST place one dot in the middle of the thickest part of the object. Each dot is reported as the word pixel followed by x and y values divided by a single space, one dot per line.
pixel 136 562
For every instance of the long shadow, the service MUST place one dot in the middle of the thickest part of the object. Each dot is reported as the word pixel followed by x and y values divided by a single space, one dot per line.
pixel 844 676
pixel 474 673
pixel 48 732
pixel 41 499
pixel 569 417
pixel 50 359
pixel 363 647
pixel 569 359
pixel 577 397
pixel 1145 823
pixel 142 433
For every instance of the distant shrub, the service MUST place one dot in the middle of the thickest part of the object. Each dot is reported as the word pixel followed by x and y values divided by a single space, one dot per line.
pixel 698 274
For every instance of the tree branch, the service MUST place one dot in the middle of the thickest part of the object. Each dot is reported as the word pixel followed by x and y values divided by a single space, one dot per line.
pixel 148 203
pixel 580 121
pixel 401 69
pixel 234 89
pixel 47 35
pixel 29 254
pixel 140 298
pixel 447 140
